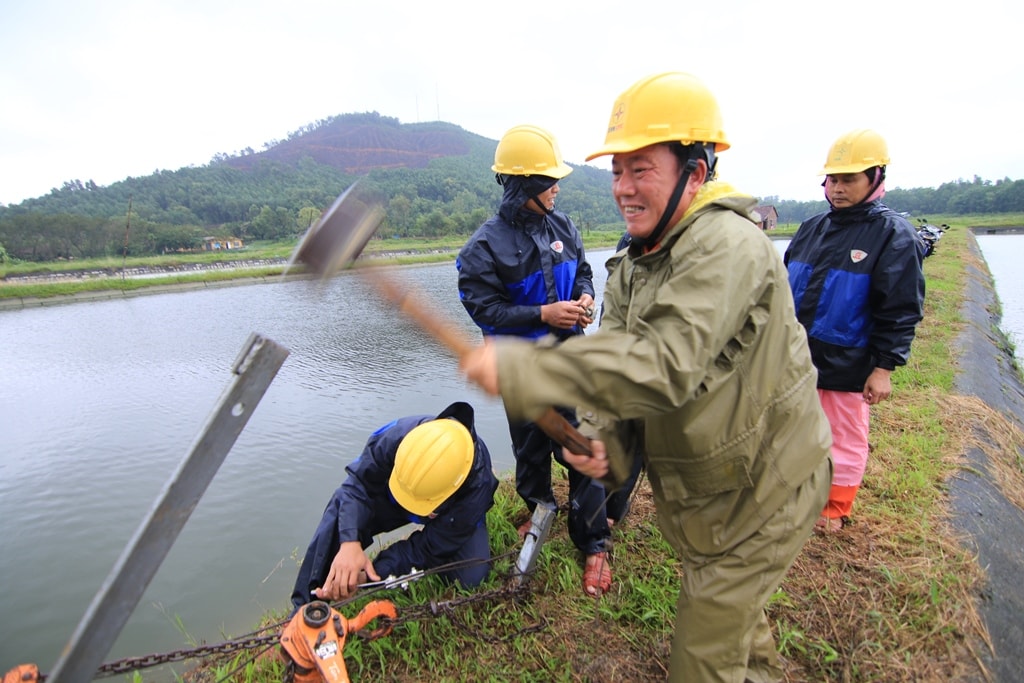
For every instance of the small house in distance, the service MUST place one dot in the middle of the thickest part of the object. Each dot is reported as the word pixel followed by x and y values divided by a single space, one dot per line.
pixel 769 216
pixel 219 243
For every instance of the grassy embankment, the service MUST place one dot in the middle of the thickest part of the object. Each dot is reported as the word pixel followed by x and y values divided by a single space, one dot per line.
pixel 892 598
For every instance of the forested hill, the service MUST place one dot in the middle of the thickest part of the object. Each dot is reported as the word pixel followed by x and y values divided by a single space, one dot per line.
pixel 434 179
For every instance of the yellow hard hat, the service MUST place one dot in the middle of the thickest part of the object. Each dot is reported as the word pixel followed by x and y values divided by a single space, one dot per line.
pixel 433 460
pixel 529 150
pixel 856 151
pixel 665 107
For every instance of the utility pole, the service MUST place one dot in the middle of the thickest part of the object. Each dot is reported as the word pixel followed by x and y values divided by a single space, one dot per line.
pixel 127 229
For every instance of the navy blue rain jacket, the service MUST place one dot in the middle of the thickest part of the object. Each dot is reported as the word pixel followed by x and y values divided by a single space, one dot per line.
pixel 518 261
pixel 859 291
pixel 363 505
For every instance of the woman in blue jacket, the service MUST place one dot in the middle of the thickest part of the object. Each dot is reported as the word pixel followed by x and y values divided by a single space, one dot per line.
pixel 857 282
pixel 523 273
pixel 422 469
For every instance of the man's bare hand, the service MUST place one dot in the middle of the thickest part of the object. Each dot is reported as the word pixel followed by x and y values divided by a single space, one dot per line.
pixel 586 304
pixel 594 466
pixel 878 387
pixel 562 314
pixel 480 366
pixel 349 568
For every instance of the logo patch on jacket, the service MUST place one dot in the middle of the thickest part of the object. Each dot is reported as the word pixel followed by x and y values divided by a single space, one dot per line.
pixel 858 255
pixel 557 246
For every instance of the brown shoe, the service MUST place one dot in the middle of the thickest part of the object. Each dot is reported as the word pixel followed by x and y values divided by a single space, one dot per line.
pixel 597 574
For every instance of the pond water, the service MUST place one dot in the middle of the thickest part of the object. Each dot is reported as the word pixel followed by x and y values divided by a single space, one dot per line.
pixel 100 401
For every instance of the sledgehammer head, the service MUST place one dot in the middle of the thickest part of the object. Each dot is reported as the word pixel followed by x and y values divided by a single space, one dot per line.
pixel 335 241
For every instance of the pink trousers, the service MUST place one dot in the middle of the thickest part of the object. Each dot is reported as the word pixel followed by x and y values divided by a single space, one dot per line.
pixel 849 417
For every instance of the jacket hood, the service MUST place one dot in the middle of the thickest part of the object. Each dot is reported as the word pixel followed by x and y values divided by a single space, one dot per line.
pixel 462 412
pixel 517 190
pixel 716 193
pixel 722 194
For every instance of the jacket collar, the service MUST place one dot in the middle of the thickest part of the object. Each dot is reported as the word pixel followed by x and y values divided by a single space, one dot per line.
pixel 711 195
pixel 853 214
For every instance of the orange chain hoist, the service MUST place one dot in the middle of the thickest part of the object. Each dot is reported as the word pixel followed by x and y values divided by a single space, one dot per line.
pixel 314 639
pixel 23 673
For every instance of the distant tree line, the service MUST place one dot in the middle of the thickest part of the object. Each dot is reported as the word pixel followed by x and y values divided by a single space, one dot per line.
pixel 270 199
pixel 957 198
pixel 174 210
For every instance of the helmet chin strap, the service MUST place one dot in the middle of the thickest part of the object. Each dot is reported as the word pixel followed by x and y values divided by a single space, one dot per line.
pixel 670 208
pixel 538 202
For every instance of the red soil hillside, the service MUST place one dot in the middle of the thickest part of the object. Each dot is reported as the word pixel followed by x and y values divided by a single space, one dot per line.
pixel 360 143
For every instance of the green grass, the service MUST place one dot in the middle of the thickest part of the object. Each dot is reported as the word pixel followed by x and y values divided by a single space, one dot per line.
pixel 891 598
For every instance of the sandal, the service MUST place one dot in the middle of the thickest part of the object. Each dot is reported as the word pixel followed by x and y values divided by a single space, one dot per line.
pixel 830 525
pixel 597 574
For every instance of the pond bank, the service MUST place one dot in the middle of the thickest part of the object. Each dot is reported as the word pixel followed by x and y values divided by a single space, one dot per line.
pixel 14 302
pixel 163 278
pixel 992 526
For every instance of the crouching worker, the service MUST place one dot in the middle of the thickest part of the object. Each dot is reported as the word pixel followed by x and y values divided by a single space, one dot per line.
pixel 427 470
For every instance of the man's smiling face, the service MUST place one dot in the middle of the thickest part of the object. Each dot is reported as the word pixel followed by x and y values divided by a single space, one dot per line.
pixel 642 183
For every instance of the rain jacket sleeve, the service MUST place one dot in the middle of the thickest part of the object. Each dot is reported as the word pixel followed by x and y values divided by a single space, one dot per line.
pixel 358 499
pixel 897 300
pixel 482 289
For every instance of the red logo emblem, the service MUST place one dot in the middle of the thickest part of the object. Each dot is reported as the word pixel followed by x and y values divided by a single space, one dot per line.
pixel 858 255
pixel 557 246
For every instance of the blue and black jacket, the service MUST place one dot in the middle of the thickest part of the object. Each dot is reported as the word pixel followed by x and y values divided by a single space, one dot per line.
pixel 516 262
pixel 859 291
pixel 363 507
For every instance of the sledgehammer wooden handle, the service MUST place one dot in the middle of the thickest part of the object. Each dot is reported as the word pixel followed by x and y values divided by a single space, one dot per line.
pixel 442 330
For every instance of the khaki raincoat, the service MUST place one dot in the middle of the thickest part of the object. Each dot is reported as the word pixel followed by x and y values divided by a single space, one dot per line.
pixel 700 356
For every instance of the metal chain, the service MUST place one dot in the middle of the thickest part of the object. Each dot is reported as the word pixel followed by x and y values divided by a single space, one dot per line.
pixel 436 608
pixel 512 590
pixel 230 647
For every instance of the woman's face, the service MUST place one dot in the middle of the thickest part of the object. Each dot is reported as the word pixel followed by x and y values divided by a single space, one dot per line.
pixel 847 189
pixel 546 198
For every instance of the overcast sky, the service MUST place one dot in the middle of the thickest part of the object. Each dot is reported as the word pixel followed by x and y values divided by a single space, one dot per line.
pixel 109 89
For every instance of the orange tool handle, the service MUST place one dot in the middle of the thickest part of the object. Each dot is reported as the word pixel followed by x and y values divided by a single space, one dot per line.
pixel 443 331
pixel 373 610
